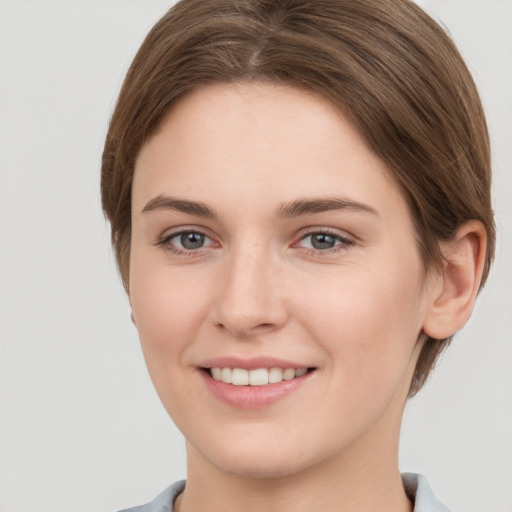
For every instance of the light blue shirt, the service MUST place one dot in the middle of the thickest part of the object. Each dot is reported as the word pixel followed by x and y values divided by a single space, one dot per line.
pixel 416 487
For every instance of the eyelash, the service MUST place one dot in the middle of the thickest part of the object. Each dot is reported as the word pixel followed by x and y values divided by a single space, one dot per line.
pixel 341 243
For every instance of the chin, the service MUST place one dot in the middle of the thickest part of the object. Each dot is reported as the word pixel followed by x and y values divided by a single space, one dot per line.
pixel 257 456
pixel 264 466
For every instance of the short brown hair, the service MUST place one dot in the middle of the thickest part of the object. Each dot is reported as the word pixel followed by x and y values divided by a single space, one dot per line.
pixel 385 64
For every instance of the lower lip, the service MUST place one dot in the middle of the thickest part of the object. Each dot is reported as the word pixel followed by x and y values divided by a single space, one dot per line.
pixel 253 397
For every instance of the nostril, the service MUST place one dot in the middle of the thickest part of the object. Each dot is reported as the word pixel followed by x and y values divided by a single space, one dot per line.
pixel 264 326
pixel 243 328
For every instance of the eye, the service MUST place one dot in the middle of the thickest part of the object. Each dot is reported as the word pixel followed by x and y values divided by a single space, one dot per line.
pixel 186 241
pixel 324 241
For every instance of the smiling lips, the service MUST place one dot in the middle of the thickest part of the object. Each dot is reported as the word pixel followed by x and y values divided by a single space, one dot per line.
pixel 257 385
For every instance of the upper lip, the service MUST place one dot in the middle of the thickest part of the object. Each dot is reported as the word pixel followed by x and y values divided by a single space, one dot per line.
pixel 252 363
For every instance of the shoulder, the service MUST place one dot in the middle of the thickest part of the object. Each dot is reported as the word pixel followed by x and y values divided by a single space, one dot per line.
pixel 419 491
pixel 163 502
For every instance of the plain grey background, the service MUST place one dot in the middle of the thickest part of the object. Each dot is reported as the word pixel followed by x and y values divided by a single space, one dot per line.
pixel 81 428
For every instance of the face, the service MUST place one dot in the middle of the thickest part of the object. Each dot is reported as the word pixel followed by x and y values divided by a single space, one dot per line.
pixel 266 235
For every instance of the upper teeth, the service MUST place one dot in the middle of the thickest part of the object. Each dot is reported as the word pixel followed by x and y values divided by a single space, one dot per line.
pixel 258 377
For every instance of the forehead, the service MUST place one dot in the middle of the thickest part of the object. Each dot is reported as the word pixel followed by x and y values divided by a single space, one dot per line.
pixel 259 142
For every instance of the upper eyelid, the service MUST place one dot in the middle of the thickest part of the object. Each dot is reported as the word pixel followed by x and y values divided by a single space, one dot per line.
pixel 339 233
pixel 172 232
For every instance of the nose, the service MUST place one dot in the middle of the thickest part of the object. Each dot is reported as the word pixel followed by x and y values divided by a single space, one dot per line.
pixel 250 301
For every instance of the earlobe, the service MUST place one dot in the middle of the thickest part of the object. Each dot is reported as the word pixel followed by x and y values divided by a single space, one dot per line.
pixel 464 259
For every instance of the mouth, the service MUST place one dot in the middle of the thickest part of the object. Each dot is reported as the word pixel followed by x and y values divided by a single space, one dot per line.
pixel 257 376
pixel 256 382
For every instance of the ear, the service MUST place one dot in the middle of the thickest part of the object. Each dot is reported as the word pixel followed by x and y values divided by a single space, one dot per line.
pixel 453 302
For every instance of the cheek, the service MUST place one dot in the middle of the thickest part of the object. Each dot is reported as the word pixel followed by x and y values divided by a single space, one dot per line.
pixel 368 323
pixel 167 308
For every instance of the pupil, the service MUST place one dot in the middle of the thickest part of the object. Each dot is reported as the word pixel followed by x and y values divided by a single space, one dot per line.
pixel 322 241
pixel 192 240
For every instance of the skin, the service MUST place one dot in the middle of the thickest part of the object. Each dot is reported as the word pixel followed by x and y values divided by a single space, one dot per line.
pixel 259 286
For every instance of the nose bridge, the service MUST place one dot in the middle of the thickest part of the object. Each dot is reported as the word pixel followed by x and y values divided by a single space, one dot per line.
pixel 250 298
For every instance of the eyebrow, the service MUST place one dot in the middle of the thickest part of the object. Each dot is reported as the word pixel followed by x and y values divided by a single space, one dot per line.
pixel 311 206
pixel 293 209
pixel 180 205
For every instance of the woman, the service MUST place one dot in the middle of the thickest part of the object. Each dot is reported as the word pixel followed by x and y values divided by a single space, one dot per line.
pixel 299 195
